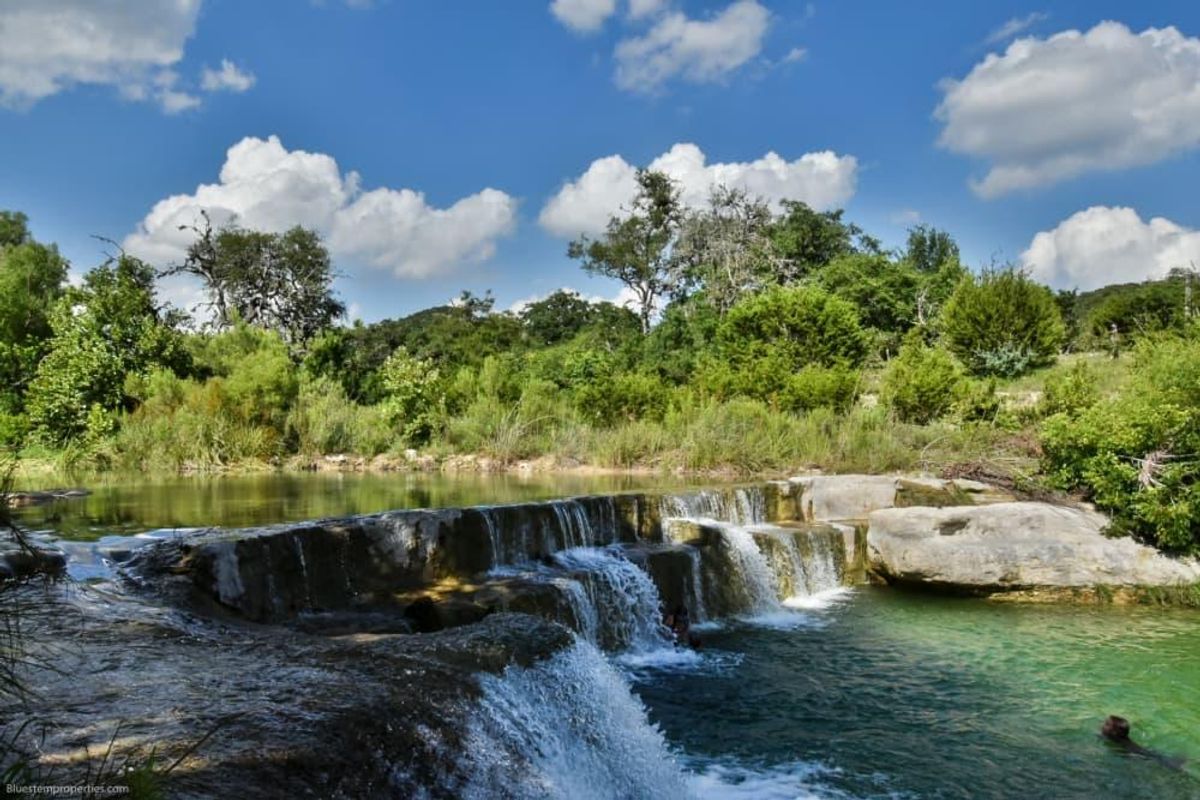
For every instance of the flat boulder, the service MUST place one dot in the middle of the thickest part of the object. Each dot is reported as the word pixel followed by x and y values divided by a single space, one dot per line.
pixel 1012 547
pixel 854 497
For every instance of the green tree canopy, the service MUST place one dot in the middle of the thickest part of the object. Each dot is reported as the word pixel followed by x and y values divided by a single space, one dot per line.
pixel 277 281
pixel 1002 323
pixel 805 240
pixel 636 248
pixel 105 331
pixel 929 248
pixel 31 281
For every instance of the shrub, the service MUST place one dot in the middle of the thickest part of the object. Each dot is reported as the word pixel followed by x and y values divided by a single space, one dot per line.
pixel 922 383
pixel 1070 392
pixel 323 420
pixel 799 324
pixel 414 398
pixel 625 396
pixel 1002 323
pixel 821 387
pixel 1134 454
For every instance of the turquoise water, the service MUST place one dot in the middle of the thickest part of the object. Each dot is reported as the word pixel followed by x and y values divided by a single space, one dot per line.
pixel 879 694
pixel 888 694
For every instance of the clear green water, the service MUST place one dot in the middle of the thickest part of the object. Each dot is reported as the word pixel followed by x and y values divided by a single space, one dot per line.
pixel 889 694
pixel 884 694
pixel 124 506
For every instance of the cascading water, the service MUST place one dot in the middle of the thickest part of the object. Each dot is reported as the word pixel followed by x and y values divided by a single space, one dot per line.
pixel 752 574
pixel 621 598
pixel 567 727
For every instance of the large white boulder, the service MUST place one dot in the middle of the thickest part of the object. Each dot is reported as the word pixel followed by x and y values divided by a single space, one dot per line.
pixel 853 497
pixel 1012 546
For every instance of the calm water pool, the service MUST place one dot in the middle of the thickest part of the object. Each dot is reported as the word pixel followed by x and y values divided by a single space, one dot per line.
pixel 880 694
pixel 122 506
pixel 888 694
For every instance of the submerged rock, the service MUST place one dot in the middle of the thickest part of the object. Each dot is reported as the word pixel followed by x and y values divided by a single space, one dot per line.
pixel 1012 547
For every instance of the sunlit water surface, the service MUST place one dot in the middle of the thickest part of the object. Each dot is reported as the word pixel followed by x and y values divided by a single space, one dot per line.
pixel 866 693
pixel 888 694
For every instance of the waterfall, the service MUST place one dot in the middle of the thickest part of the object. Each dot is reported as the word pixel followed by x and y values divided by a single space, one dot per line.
pixel 752 572
pixel 621 599
pixel 566 727
pixel 744 507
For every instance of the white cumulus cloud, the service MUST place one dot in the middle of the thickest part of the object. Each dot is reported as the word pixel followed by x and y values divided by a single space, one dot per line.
pixel 823 180
pixel 265 186
pixel 1051 109
pixel 696 50
pixel 1102 245
pixel 48 46
pixel 584 16
pixel 229 78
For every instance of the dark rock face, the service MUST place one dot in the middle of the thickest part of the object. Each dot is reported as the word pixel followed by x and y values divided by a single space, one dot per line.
pixel 387 560
pixel 291 714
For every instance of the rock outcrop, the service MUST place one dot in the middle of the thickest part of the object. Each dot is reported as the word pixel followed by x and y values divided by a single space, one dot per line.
pixel 853 497
pixel 1012 547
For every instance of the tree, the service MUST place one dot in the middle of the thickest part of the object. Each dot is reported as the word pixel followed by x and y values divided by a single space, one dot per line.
pixel 105 331
pixel 636 248
pixel 277 281
pixel 413 395
pixel 726 248
pixel 557 317
pixel 564 315
pixel 1002 323
pixel 930 248
pixel 805 240
pixel 885 292
pixel 31 281
pixel 14 229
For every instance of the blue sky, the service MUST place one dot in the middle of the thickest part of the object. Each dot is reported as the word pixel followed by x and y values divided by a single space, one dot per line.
pixel 1075 154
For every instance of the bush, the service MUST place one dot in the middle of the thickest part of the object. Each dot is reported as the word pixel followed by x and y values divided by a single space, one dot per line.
pixel 922 383
pixel 1134 455
pixel 414 398
pixel 799 325
pixel 324 421
pixel 821 387
pixel 1002 323
pixel 625 396
pixel 1070 392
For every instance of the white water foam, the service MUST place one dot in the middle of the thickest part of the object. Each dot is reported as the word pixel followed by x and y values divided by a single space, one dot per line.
pixel 796 781
pixel 819 601
pixel 567 727
pixel 623 599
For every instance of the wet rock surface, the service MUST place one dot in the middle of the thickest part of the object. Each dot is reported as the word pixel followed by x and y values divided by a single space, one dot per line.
pixel 290 714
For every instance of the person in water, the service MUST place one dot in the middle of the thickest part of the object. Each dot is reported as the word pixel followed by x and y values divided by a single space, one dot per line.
pixel 680 625
pixel 1116 730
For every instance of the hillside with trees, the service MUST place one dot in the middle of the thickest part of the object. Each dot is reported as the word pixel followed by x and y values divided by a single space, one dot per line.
pixel 759 340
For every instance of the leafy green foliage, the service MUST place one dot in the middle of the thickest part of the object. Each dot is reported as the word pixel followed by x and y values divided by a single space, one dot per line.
pixel 31 280
pixel 636 248
pixel 279 281
pixel 105 330
pixel 1002 323
pixel 930 249
pixel 799 325
pixel 413 395
pixel 1070 392
pixel 922 383
pixel 805 240
pixel 1137 454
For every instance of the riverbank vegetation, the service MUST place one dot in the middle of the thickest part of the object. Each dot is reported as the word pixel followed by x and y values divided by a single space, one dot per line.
pixel 760 340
